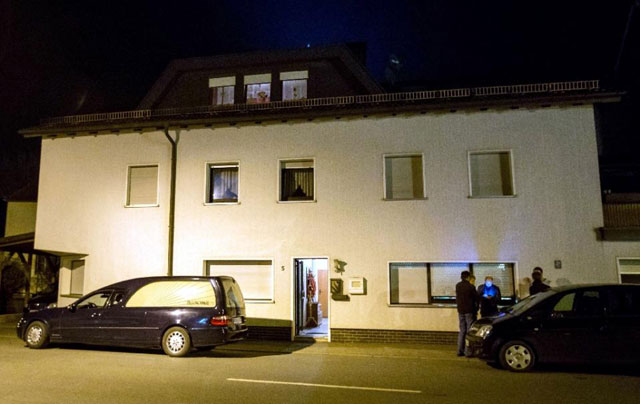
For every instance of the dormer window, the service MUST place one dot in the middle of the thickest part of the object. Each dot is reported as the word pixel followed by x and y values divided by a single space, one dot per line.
pixel 294 85
pixel 258 88
pixel 222 90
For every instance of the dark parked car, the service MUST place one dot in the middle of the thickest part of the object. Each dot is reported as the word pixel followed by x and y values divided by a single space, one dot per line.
pixel 570 324
pixel 174 313
pixel 41 301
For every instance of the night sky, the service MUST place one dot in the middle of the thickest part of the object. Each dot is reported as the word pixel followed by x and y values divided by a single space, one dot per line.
pixel 80 56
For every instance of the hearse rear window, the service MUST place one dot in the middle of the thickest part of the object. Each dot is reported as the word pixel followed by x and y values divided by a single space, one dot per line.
pixel 174 294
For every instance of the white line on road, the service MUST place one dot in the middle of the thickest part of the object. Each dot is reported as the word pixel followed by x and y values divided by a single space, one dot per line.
pixel 329 386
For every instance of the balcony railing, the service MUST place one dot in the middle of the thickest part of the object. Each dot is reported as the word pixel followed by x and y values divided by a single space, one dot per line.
pixel 359 100
pixel 621 215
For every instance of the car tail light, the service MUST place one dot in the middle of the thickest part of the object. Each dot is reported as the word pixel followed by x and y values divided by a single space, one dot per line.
pixel 220 321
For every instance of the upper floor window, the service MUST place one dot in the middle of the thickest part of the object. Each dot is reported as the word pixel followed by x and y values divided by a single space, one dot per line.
pixel 491 174
pixel 222 90
pixel 403 177
pixel 294 85
pixel 297 180
pixel 222 183
pixel 258 88
pixel 142 185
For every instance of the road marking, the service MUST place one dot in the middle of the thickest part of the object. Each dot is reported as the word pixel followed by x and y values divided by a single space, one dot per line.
pixel 329 386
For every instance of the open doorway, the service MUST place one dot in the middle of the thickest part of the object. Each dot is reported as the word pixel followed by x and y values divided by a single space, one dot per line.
pixel 312 297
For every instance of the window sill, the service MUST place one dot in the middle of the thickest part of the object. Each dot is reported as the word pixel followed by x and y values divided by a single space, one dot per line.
pixel 492 196
pixel 220 203
pixel 308 201
pixel 405 199
pixel 143 206
pixel 425 305
pixel 260 301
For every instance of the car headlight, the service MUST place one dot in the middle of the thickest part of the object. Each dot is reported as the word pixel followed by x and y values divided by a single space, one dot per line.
pixel 484 331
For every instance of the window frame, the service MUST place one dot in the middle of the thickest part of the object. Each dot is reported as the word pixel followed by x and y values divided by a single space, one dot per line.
pixel 384 176
pixel 207 181
pixel 294 75
pixel 65 281
pixel 279 179
pixel 270 300
pixel 127 203
pixel 431 303
pixel 618 267
pixel 511 171
pixel 257 79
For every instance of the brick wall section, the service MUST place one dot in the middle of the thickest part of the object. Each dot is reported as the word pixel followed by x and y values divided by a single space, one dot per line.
pixel 391 336
pixel 269 333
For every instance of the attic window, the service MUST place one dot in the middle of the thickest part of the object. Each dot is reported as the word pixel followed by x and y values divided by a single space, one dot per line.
pixel 258 88
pixel 222 90
pixel 294 85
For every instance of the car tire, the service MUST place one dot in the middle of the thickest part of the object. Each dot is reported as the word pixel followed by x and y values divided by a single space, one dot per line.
pixel 176 342
pixel 37 335
pixel 517 356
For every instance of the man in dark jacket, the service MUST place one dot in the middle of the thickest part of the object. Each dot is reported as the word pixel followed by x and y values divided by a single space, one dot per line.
pixel 489 297
pixel 467 302
pixel 537 286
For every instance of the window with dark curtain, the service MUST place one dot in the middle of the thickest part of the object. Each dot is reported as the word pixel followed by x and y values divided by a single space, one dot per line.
pixel 223 183
pixel 296 181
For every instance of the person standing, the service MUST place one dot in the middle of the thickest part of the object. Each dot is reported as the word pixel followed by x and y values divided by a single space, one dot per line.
pixel 489 297
pixel 537 286
pixel 466 302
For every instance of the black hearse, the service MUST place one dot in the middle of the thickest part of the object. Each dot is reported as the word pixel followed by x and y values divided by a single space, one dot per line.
pixel 174 313
pixel 569 324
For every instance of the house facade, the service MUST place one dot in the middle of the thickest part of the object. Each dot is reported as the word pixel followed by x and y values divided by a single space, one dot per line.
pixel 342 211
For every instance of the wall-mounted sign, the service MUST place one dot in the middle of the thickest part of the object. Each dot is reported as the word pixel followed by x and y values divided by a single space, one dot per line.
pixel 337 292
pixel 357 286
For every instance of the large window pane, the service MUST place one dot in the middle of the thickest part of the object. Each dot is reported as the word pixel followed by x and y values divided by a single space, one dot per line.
pixel 255 277
pixel 403 177
pixel 142 186
pixel 258 93
pixel 77 277
pixel 490 174
pixel 444 277
pixel 223 95
pixel 223 183
pixel 408 283
pixel 174 294
pixel 297 180
pixel 502 277
pixel 294 89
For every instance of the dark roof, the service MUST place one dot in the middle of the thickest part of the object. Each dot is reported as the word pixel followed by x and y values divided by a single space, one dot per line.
pixel 340 52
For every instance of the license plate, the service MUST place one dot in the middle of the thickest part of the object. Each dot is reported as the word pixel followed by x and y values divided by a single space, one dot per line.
pixel 237 320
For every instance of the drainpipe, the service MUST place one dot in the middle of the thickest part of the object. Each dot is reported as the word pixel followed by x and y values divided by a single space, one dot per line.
pixel 172 197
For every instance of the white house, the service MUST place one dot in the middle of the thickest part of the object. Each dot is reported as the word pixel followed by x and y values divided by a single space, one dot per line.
pixel 342 211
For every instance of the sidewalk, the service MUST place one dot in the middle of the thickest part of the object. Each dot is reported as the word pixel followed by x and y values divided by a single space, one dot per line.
pixel 9 319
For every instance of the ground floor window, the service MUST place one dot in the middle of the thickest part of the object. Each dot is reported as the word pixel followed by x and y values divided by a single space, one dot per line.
pixel 255 277
pixel 72 277
pixel 629 270
pixel 422 283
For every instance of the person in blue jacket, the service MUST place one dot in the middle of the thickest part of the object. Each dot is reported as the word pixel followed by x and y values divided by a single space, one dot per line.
pixel 489 297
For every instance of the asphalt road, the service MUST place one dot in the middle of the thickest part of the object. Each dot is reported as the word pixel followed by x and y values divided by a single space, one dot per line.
pixel 261 372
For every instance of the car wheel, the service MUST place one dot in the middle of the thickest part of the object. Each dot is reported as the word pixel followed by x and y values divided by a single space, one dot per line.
pixel 176 342
pixel 517 356
pixel 37 335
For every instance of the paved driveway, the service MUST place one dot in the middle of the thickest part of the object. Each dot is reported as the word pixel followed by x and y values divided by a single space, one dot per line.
pixel 260 372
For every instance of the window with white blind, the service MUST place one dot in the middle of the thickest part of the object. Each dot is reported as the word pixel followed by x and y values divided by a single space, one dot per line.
pixel 423 283
pixel 142 185
pixel 255 277
pixel 491 174
pixel 297 180
pixel 629 270
pixel 294 85
pixel 403 177
pixel 222 183
pixel 222 90
pixel 258 88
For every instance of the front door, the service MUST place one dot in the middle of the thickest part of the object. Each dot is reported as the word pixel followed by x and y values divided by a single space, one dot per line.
pixel 311 286
pixel 81 323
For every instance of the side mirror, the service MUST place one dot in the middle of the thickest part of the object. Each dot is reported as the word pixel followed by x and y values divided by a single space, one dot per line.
pixel 71 307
